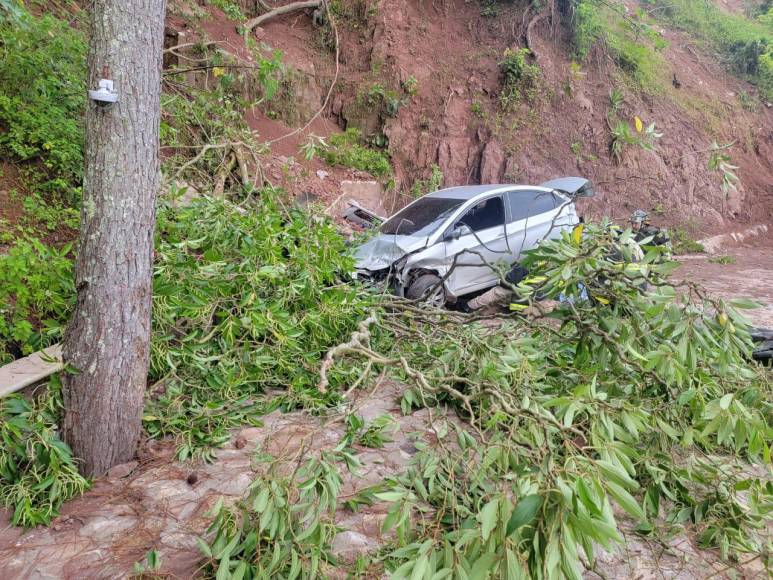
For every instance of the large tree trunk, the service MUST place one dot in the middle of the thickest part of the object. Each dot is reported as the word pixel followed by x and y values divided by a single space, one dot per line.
pixel 108 339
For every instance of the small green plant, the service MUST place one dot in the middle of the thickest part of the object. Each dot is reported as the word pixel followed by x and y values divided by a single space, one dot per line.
pixel 724 260
pixel 314 146
pixel 477 109
pixel 748 101
pixel 579 154
pixel 230 8
pixel 432 183
pixel 520 79
pixel 149 567
pixel 373 435
pixel 346 149
pixel 622 135
pixel 684 243
pixel 719 161
pixel 411 86
pixel 616 100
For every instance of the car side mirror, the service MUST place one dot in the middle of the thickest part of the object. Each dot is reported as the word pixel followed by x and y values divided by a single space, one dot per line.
pixel 458 232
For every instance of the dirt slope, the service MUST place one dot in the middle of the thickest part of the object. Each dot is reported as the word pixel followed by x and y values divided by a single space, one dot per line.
pixel 448 53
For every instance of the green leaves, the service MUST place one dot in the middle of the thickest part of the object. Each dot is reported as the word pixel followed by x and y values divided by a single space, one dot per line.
pixel 488 518
pixel 37 293
pixel 243 302
pixel 37 471
pixel 618 409
pixel 282 529
pixel 525 511
pixel 42 98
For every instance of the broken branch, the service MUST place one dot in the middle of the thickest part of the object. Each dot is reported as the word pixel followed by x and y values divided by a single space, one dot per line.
pixel 258 20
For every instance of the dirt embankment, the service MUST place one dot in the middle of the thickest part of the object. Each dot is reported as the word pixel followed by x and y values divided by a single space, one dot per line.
pixel 422 79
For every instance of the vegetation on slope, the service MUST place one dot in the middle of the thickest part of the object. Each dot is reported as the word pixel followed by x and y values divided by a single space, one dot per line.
pixel 746 45
pixel 42 75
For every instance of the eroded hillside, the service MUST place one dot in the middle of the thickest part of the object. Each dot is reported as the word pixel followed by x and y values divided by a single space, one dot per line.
pixel 427 82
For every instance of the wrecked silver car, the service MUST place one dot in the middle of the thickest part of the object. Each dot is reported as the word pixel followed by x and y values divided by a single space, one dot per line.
pixel 457 241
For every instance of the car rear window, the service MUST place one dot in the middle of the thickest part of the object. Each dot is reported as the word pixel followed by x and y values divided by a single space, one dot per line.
pixel 422 217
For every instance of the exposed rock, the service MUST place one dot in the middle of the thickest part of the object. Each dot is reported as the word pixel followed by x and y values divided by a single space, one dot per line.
pixel 348 546
pixel 492 163
pixel 366 193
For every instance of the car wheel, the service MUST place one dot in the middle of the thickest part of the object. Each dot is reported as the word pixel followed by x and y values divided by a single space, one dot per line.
pixel 428 288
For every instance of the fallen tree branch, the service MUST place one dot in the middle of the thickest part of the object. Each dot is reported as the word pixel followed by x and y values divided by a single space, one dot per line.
pixel 295 6
pixel 358 342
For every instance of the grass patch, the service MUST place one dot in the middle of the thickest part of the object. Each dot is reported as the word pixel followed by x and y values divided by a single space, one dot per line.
pixel 629 39
pixel 683 242
pixel 724 260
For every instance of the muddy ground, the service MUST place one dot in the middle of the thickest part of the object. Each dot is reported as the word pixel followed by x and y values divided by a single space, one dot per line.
pixel 749 274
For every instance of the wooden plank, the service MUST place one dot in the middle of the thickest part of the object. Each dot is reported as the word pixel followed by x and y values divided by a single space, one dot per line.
pixel 30 369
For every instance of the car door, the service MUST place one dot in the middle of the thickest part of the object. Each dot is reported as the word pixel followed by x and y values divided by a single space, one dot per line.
pixel 475 242
pixel 534 216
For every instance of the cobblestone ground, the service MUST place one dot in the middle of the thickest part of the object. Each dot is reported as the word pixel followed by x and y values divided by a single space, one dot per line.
pixel 160 504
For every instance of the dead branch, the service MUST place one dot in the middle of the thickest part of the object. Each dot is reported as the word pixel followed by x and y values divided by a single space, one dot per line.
pixel 295 6
pixel 188 44
pixel 534 21
pixel 358 342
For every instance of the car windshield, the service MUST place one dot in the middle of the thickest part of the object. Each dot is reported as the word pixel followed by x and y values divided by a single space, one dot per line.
pixel 422 217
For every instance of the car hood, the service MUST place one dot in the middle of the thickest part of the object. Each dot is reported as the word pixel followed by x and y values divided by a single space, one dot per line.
pixel 384 250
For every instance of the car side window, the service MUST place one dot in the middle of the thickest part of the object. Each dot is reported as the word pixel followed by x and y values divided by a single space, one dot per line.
pixel 524 204
pixel 487 214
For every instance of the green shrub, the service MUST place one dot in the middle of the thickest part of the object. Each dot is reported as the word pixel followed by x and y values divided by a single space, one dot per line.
pixel 42 100
pixel 230 9
pixel 346 149
pixel 684 243
pixel 630 40
pixel 520 79
pixel 36 296
pixel 432 183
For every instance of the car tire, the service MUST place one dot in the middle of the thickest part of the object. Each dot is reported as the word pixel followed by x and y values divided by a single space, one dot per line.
pixel 427 288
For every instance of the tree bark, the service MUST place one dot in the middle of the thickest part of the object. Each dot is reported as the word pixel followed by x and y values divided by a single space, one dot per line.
pixel 108 338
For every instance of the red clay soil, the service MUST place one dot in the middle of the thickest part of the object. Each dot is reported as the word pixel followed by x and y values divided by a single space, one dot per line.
pixel 452 52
